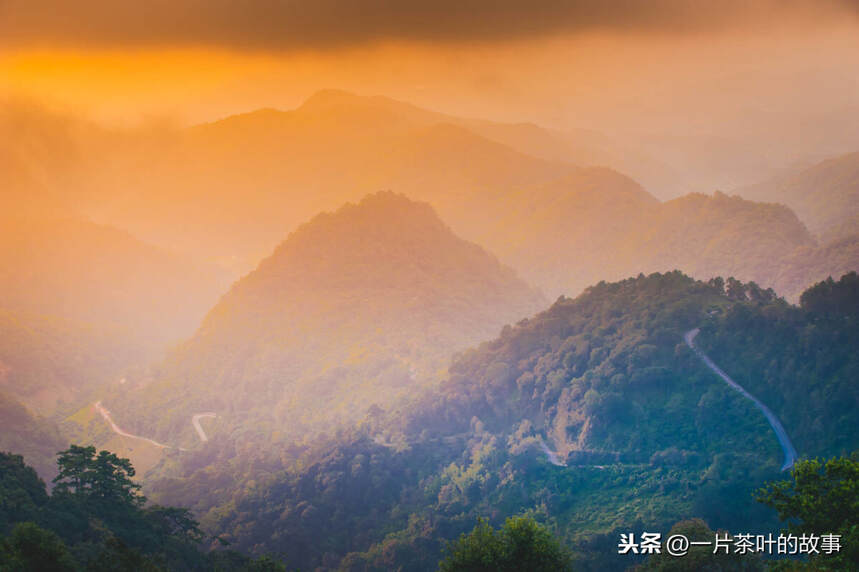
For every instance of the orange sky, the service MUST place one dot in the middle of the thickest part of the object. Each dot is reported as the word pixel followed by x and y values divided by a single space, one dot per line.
pixel 583 65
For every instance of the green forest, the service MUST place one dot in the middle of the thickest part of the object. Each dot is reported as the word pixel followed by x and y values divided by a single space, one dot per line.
pixel 641 434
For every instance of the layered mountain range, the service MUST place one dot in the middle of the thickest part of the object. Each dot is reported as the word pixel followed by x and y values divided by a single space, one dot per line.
pixel 513 188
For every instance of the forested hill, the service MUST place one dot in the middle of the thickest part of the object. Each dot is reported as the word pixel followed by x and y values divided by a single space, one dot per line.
pixel 643 433
pixel 357 307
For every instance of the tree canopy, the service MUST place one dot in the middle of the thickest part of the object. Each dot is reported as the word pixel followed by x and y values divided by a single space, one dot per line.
pixel 821 497
pixel 521 544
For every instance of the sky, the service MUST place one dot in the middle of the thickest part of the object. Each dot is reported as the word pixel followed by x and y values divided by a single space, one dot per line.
pixel 579 63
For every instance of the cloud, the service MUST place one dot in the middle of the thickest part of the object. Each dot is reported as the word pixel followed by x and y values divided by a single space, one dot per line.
pixel 315 24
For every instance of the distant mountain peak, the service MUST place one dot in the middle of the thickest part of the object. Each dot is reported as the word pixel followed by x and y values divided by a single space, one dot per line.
pixel 355 307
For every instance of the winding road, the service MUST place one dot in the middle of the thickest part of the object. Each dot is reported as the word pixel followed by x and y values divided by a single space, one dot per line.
pixel 790 454
pixel 196 422
pixel 116 429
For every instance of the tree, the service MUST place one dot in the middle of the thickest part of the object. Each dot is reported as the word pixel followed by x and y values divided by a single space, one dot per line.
pixel 30 547
pixel 22 492
pixel 833 298
pixel 75 470
pixel 821 498
pixel 103 477
pixel 112 479
pixel 521 544
pixel 116 556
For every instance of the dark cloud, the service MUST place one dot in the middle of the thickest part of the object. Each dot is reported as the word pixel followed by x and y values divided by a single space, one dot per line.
pixel 290 24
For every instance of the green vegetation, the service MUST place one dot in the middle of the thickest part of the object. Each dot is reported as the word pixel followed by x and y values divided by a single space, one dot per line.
pixel 96 520
pixel 589 419
pixel 821 498
pixel 801 361
pixel 599 225
pixel 521 544
pixel 648 433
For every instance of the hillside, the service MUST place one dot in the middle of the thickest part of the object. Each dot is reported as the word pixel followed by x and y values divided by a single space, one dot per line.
pixel 53 365
pixel 225 192
pixel 832 259
pixel 599 225
pixel 356 308
pixel 718 235
pixel 195 189
pixel 825 196
pixel 571 232
pixel 79 271
pixel 34 438
pixel 593 416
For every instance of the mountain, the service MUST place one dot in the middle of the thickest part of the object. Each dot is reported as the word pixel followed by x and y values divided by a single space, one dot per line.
pixel 825 196
pixel 52 365
pixel 594 416
pixel 193 190
pixel 353 311
pixel 719 235
pixel 224 192
pixel 835 258
pixel 569 233
pixel 34 438
pixel 600 225
pixel 79 271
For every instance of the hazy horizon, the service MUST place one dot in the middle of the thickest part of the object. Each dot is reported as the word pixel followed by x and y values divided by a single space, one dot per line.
pixel 339 283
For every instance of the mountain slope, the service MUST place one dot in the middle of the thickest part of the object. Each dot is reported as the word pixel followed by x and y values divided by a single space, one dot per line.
pixel 645 432
pixel 35 439
pixel 515 188
pixel 50 364
pixel 718 235
pixel 80 271
pixel 355 308
pixel 569 233
pixel 825 196
pixel 278 168
pixel 599 225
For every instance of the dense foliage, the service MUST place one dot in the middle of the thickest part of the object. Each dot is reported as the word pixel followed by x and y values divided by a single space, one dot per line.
pixel 802 361
pixel 592 417
pixel 521 544
pixel 821 498
pixel 96 520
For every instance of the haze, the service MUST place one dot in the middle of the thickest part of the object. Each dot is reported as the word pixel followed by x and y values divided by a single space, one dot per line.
pixel 723 96
pixel 330 281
